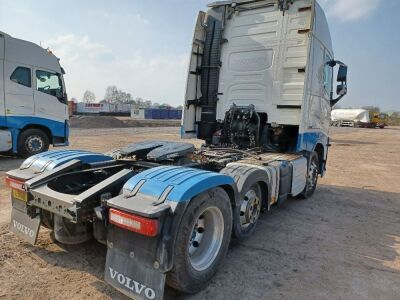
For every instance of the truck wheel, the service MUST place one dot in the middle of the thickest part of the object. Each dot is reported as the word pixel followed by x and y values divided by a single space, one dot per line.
pixel 32 141
pixel 312 177
pixel 253 190
pixel 247 214
pixel 202 241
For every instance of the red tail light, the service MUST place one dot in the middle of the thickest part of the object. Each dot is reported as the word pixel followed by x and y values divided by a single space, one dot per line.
pixel 145 226
pixel 14 184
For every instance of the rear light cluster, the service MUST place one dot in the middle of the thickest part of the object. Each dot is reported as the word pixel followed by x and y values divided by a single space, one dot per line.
pixel 15 184
pixel 138 224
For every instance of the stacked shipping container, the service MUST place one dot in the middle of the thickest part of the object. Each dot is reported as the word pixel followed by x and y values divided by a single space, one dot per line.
pixel 121 109
pixel 162 114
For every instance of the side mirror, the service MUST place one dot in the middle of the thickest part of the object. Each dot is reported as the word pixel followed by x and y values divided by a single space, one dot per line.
pixel 62 97
pixel 341 89
pixel 59 94
pixel 65 98
pixel 342 74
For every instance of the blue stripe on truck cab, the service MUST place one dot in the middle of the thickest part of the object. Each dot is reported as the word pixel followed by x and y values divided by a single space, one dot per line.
pixel 177 184
pixel 3 121
pixel 16 123
pixel 308 140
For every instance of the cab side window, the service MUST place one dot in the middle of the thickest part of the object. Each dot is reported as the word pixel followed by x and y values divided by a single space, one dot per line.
pixel 49 83
pixel 328 75
pixel 22 75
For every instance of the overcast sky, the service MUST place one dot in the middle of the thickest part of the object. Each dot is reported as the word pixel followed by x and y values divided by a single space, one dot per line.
pixel 142 46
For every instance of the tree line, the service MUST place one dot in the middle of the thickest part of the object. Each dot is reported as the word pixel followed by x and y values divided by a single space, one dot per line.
pixel 115 95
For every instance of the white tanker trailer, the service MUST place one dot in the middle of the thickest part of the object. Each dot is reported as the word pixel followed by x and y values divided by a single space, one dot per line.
pixel 349 117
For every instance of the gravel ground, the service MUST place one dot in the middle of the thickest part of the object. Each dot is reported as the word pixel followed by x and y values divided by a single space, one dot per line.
pixel 343 243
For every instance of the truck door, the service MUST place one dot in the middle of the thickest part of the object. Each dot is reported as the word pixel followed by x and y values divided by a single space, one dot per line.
pixel 320 87
pixel 328 88
pixel 49 94
pixel 18 89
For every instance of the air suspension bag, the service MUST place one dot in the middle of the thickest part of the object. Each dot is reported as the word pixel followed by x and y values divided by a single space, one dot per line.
pixel 69 233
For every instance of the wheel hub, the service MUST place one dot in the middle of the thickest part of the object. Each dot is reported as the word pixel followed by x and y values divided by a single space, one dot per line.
pixel 206 238
pixel 34 143
pixel 312 175
pixel 250 208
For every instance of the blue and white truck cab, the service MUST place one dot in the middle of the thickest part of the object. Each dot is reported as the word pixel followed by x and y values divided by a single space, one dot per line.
pixel 33 99
pixel 277 65
pixel 259 93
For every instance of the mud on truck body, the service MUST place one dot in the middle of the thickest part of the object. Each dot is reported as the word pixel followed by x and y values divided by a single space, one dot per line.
pixel 259 93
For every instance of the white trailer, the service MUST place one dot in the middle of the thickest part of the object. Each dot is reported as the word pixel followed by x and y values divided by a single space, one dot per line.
pixel 349 117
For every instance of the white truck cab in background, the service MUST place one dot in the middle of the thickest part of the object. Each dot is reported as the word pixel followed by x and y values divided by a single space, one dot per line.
pixel 33 100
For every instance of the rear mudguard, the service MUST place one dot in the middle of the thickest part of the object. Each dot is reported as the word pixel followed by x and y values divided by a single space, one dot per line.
pixel 160 193
pixel 51 159
pixel 36 170
pixel 47 161
pixel 246 175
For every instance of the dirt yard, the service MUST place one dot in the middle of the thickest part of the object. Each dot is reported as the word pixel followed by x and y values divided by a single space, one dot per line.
pixel 343 243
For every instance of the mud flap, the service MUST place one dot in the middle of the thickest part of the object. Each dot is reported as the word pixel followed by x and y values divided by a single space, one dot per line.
pixel 130 272
pixel 24 226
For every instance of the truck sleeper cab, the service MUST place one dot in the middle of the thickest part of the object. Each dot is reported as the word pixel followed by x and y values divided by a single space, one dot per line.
pixel 277 66
pixel 259 92
pixel 33 100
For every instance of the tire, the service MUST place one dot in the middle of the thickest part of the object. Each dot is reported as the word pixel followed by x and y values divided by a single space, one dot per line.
pixel 198 253
pixel 312 177
pixel 247 214
pixel 248 178
pixel 31 142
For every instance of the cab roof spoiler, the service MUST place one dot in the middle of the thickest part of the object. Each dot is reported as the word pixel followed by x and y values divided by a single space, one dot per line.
pixel 3 34
pixel 282 4
pixel 238 2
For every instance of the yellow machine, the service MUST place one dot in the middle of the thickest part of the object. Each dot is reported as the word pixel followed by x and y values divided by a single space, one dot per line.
pixel 379 119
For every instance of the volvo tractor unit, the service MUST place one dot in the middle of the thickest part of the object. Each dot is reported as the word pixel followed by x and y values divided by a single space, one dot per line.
pixel 33 99
pixel 259 94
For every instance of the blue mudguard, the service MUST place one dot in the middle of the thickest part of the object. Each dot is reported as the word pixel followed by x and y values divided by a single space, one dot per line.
pixel 176 184
pixel 153 193
pixel 49 160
